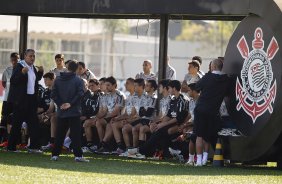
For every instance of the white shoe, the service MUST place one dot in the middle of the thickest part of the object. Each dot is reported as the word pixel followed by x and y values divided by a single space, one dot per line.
pixel 133 151
pixel 190 162
pixel 85 149
pixel 125 154
pixel 198 164
pixel 204 162
pixel 54 158
pixel 81 159
pixel 174 152
pixel 34 151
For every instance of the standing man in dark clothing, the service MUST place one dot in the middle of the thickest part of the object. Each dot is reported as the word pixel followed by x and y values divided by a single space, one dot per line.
pixel 213 87
pixel 23 94
pixel 66 93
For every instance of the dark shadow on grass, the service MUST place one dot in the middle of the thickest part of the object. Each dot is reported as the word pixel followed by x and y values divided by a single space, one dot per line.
pixel 121 166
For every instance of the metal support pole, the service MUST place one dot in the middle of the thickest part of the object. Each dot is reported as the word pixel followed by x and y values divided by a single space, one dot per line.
pixel 163 47
pixel 162 52
pixel 23 35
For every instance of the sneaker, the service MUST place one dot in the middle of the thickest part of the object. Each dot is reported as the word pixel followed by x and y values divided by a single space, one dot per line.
pixel 198 164
pixel 118 151
pixel 21 146
pixel 93 148
pixel 12 151
pixel 136 156
pixel 133 151
pixel 174 152
pixel 54 158
pixel 47 147
pixel 34 151
pixel 190 162
pixel 204 162
pixel 125 154
pixel 85 149
pixel 4 144
pixel 81 159
pixel 103 150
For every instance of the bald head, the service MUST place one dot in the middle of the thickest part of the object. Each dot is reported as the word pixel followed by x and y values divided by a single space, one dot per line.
pixel 216 65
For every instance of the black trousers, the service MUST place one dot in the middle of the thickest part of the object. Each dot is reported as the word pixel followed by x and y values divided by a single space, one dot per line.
pixel 25 112
pixel 6 114
pixel 63 124
pixel 159 140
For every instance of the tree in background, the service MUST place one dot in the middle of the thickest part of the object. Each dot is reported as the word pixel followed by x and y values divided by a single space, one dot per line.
pixel 111 27
pixel 212 36
pixel 44 56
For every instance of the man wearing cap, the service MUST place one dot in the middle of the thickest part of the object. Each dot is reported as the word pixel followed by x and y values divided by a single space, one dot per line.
pixel 193 75
pixel 146 74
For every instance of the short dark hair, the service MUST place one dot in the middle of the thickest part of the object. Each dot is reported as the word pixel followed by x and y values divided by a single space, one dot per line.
pixel 67 62
pixel 81 64
pixel 130 80
pixel 111 80
pixel 198 58
pixel 164 83
pixel 153 83
pixel 94 81
pixel 192 86
pixel 59 56
pixel 218 63
pixel 195 63
pixel 28 50
pixel 72 66
pixel 103 79
pixel 140 82
pixel 49 75
pixel 175 84
pixel 14 55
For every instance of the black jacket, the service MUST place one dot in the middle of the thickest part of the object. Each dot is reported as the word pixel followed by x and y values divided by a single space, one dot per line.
pixel 68 88
pixel 18 87
pixel 213 88
pixel 90 103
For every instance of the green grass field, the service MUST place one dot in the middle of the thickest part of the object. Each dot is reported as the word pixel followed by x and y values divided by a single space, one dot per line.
pixel 33 168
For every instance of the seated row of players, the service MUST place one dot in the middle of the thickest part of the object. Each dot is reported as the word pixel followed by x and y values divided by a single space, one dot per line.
pixel 131 122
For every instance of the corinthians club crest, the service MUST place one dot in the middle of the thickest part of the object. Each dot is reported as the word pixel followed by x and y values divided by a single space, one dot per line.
pixel 257 91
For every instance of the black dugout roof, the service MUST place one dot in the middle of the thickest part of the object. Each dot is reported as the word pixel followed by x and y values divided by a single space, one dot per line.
pixel 147 9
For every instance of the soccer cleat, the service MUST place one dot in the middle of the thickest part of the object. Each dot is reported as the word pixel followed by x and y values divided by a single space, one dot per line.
pixel 34 151
pixel 81 159
pixel 47 147
pixel 54 158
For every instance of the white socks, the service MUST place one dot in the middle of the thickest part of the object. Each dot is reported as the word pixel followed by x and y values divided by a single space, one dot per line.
pixel 205 158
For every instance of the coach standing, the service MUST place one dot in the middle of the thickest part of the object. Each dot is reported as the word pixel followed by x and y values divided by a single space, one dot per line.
pixel 66 93
pixel 23 95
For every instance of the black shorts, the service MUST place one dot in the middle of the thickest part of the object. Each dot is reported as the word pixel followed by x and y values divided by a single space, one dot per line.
pixel 142 121
pixel 108 119
pixel 206 125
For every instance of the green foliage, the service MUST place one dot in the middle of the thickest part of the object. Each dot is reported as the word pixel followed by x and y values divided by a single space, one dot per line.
pixel 213 36
pixel 45 59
